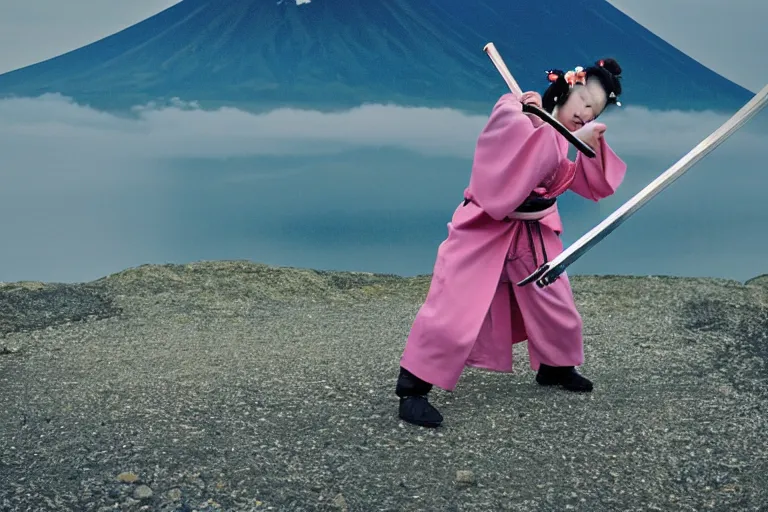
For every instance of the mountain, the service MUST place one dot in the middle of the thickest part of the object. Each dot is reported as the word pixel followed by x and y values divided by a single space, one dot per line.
pixel 339 53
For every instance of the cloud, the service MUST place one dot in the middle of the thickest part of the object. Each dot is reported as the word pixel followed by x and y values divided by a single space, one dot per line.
pixel 640 131
pixel 371 188
pixel 184 130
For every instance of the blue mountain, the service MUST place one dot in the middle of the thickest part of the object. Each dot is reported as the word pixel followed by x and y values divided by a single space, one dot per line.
pixel 330 54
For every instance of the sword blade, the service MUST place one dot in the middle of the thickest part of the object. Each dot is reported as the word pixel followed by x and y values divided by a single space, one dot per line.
pixel 549 272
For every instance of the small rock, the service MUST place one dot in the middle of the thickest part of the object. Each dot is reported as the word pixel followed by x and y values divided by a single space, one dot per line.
pixel 465 477
pixel 128 477
pixel 340 502
pixel 129 504
pixel 142 492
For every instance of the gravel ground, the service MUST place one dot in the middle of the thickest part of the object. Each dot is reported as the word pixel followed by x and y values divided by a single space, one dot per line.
pixel 238 386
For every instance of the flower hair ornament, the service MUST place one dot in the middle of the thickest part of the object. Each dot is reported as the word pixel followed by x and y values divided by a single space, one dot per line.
pixel 566 80
pixel 578 75
pixel 573 77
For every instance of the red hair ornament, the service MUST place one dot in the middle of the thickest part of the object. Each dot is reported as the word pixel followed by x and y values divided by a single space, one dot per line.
pixel 577 76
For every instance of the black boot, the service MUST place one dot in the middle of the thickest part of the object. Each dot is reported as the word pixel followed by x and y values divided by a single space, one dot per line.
pixel 565 376
pixel 414 406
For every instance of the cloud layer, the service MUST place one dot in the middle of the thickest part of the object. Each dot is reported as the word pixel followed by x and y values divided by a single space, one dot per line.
pixel 184 130
pixel 85 193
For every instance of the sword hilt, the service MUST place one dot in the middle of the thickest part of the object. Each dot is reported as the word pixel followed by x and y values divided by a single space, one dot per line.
pixel 535 276
pixel 544 275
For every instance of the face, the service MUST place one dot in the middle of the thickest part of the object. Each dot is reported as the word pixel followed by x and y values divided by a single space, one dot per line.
pixel 584 104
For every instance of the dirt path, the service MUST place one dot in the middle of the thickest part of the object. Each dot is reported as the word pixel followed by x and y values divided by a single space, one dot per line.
pixel 235 386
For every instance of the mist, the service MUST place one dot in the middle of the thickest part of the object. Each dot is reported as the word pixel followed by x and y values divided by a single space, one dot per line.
pixel 85 193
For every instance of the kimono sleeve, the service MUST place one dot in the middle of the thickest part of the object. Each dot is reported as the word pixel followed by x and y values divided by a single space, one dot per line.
pixel 512 157
pixel 599 177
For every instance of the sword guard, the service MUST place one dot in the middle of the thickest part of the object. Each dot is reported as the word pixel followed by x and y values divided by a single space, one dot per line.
pixel 547 280
pixel 535 276
pixel 544 276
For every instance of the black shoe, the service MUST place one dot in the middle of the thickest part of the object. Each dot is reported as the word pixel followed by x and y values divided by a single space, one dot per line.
pixel 418 411
pixel 565 376
pixel 414 405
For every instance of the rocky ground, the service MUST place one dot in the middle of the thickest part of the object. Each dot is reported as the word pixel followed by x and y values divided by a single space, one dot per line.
pixel 236 386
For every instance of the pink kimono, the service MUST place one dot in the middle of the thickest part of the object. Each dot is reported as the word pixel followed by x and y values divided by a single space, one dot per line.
pixel 474 312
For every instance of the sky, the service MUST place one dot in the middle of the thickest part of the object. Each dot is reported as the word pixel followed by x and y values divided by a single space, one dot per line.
pixel 727 36
pixel 722 35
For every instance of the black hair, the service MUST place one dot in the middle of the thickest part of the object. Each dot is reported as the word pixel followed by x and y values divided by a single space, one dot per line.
pixel 607 71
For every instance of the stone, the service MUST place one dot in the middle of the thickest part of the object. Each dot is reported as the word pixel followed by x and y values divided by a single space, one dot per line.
pixel 465 477
pixel 142 492
pixel 340 503
pixel 128 477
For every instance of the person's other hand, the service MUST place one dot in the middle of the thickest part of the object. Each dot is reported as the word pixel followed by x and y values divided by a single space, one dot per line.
pixel 591 133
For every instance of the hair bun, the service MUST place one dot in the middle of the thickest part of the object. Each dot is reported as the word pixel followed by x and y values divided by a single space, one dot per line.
pixel 610 65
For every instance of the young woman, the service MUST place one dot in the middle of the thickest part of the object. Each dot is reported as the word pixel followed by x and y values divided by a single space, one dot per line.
pixel 506 227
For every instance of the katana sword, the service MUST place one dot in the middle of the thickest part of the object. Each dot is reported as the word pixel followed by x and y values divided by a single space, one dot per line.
pixel 490 49
pixel 549 272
